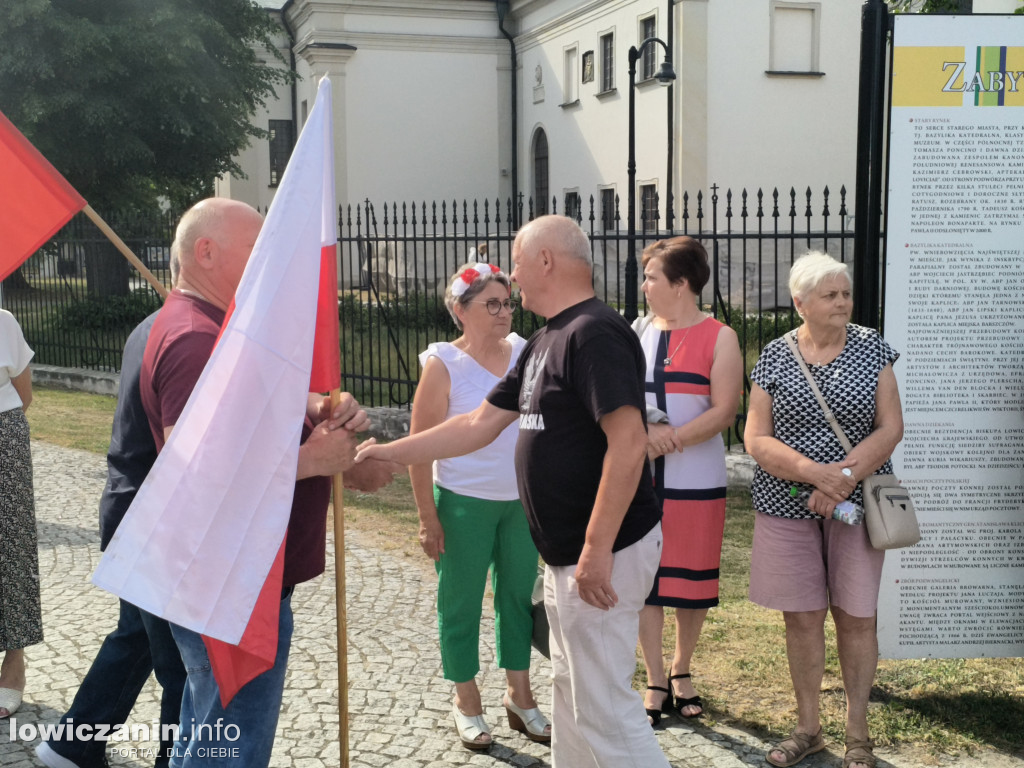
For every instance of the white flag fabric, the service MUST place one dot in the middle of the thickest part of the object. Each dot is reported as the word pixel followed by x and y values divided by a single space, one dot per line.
pixel 196 545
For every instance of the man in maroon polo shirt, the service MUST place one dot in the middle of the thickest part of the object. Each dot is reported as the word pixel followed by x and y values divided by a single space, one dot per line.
pixel 214 239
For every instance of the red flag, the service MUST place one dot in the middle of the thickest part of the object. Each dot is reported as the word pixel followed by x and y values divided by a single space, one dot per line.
pixel 235 665
pixel 221 489
pixel 35 200
pixel 326 346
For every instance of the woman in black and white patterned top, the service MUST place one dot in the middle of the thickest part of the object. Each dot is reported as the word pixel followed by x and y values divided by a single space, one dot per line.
pixel 803 562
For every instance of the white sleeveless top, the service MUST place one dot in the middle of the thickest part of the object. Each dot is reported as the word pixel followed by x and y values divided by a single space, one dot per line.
pixel 488 473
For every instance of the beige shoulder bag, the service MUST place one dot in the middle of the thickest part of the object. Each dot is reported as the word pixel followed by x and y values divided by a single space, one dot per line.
pixel 888 509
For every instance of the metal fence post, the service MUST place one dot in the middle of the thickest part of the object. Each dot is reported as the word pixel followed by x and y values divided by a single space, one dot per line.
pixel 870 166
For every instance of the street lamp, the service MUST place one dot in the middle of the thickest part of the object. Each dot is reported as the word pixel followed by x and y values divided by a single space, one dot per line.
pixel 664 76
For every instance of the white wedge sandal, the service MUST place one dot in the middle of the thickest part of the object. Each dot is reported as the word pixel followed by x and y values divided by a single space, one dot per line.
pixel 470 730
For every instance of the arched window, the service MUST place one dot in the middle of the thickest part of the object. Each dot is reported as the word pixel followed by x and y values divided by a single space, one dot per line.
pixel 540 173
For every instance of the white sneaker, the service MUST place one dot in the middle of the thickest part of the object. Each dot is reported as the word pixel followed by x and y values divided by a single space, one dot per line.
pixel 51 759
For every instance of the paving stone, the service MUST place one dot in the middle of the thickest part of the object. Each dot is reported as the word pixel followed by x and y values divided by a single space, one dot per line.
pixel 399 704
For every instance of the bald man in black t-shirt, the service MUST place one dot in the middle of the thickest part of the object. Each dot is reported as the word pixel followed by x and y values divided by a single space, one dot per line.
pixel 581 461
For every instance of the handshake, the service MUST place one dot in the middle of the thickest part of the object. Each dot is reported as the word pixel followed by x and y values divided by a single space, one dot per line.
pixel 333 446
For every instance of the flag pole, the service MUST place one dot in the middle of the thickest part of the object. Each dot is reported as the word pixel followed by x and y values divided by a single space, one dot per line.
pixel 339 603
pixel 125 251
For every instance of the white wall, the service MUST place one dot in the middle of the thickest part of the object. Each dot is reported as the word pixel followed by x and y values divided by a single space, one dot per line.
pixel 422 99
pixel 418 88
pixel 588 141
pixel 735 126
pixel 781 130
pixel 421 96
pixel 422 124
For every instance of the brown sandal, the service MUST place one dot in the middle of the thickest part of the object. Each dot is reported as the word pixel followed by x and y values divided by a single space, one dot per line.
pixel 796 748
pixel 858 751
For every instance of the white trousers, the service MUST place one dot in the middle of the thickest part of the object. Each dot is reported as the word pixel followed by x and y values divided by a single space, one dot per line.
pixel 597 719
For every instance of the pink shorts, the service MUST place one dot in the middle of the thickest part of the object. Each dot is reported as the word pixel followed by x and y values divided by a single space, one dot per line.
pixel 807 565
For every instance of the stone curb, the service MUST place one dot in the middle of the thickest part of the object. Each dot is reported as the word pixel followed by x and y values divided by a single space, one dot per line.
pixel 388 423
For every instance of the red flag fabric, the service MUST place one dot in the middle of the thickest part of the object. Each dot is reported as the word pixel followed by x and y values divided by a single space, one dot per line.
pixel 326 346
pixel 235 665
pixel 202 543
pixel 35 200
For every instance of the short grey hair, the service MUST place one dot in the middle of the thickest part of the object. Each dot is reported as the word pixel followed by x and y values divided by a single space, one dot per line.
pixel 811 270
pixel 198 221
pixel 175 263
pixel 559 233
pixel 473 290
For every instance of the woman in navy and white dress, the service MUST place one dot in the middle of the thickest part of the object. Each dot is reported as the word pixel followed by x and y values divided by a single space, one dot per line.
pixel 694 375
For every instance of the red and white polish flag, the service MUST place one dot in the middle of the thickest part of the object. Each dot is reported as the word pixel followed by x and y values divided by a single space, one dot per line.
pixel 202 544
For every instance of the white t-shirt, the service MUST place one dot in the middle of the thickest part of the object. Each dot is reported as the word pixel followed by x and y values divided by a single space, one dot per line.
pixel 490 472
pixel 14 358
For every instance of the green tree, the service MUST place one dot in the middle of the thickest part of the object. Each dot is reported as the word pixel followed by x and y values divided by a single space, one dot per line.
pixel 135 99
pixel 131 99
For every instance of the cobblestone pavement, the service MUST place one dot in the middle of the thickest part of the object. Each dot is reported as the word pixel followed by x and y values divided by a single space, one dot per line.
pixel 399 704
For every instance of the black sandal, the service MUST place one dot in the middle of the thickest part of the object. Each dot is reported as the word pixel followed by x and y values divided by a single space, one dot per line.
pixel 693 701
pixel 654 715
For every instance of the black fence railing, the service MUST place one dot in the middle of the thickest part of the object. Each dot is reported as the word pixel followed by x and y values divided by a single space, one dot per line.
pixel 396 260
pixel 77 299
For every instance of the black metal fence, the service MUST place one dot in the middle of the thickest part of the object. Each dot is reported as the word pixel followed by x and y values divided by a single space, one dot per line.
pixel 77 300
pixel 396 260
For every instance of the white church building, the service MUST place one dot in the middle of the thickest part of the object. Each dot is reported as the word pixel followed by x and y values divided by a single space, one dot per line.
pixel 453 100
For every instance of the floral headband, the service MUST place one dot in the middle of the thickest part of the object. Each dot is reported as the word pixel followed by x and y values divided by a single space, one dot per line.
pixel 469 275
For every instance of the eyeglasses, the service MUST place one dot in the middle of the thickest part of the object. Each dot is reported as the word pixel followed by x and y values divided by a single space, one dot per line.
pixel 494 306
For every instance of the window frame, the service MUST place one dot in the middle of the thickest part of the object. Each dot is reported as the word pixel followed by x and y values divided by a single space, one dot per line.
pixel 647 224
pixel 606 61
pixel 280 149
pixel 541 171
pixel 608 218
pixel 815 53
pixel 649 64
pixel 572 193
pixel 570 75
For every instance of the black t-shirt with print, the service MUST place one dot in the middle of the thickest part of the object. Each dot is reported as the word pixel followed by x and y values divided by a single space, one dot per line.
pixel 585 363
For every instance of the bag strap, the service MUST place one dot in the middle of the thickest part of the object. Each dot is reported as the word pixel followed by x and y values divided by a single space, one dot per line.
pixel 829 416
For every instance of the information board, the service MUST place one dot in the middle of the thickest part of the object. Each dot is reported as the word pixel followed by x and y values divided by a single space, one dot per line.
pixel 954 308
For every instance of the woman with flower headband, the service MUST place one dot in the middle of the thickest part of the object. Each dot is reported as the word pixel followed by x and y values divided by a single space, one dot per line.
pixel 471 519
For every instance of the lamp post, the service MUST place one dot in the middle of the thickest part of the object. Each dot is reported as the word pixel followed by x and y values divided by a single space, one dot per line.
pixel 664 76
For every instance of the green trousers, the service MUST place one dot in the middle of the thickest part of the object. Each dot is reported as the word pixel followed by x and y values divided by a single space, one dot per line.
pixel 481 535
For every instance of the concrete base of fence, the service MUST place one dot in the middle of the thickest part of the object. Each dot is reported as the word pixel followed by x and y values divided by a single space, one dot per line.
pixel 77 379
pixel 388 423
pixel 739 468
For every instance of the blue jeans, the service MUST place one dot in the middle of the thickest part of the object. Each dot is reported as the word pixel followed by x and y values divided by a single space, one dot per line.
pixel 243 734
pixel 141 644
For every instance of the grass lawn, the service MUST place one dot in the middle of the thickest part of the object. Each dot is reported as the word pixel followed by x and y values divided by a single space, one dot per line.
pixel 934 707
pixel 71 419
